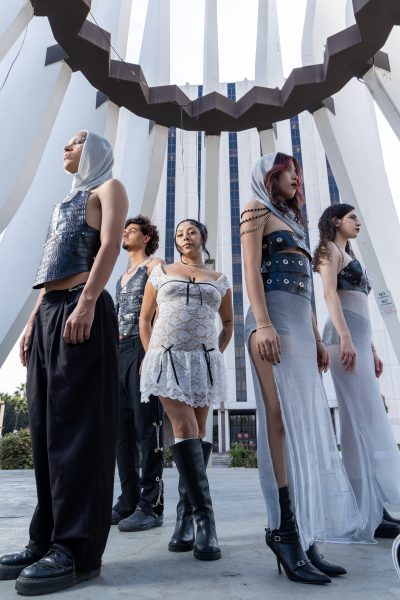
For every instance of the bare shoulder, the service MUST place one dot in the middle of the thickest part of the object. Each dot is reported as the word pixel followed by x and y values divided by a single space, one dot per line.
pixel 112 187
pixel 153 263
pixel 252 204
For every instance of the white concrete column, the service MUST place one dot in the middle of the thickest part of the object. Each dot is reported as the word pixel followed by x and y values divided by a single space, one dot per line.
pixel 142 145
pixel 268 67
pixel 384 85
pixel 14 17
pixel 28 107
pixel 322 19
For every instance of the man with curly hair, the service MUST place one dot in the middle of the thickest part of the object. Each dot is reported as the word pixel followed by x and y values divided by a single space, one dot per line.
pixel 140 431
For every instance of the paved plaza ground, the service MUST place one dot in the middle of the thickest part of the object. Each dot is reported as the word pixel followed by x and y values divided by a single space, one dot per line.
pixel 139 566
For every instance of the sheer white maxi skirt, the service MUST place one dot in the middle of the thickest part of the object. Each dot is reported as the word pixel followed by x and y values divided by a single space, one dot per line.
pixel 369 450
pixel 321 494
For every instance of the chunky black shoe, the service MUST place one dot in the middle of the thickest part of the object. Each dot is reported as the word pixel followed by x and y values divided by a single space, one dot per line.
pixel 188 457
pixel 54 572
pixel 387 529
pixel 289 553
pixel 11 565
pixel 317 559
pixel 140 521
pixel 182 539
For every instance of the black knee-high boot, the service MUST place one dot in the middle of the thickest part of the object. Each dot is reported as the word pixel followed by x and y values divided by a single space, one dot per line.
pixel 285 544
pixel 188 456
pixel 182 539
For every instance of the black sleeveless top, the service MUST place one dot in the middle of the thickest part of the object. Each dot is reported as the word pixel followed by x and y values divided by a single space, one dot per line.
pixel 71 244
pixel 129 302
pixel 353 277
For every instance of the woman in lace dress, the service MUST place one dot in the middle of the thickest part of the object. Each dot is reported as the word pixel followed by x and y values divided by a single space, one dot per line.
pixel 369 449
pixel 183 366
pixel 308 496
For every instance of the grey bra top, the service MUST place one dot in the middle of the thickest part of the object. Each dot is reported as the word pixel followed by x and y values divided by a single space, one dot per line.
pixel 71 244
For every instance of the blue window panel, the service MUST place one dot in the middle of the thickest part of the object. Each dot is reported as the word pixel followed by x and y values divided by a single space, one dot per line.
pixel 170 196
pixel 333 189
pixel 237 278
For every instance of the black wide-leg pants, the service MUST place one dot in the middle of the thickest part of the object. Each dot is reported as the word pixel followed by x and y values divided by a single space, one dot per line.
pixel 73 411
pixel 140 429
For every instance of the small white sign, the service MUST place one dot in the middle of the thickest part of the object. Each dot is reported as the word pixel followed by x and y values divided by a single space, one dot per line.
pixel 385 302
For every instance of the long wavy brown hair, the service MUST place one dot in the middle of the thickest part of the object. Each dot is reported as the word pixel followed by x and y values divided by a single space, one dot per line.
pixel 327 232
pixel 283 163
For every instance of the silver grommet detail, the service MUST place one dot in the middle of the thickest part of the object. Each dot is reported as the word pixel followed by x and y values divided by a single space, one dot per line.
pixel 279 239
pixel 301 284
pixel 285 261
pixel 264 246
pixel 269 281
pixel 286 281
pixel 301 263
pixel 268 263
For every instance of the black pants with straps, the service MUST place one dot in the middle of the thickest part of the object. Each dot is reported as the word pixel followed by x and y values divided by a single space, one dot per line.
pixel 140 429
pixel 73 410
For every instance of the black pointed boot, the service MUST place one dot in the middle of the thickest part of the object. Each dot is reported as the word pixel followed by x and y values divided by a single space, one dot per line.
pixel 285 544
pixel 318 560
pixel 182 539
pixel 188 457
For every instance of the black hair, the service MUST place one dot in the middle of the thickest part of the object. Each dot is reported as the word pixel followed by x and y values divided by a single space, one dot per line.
pixel 147 228
pixel 327 232
pixel 203 232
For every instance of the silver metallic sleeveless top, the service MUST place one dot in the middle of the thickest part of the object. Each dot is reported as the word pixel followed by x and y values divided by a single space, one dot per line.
pixel 71 244
pixel 129 302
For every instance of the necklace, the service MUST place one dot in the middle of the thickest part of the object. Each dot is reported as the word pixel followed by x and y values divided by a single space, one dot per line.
pixel 195 265
pixel 133 267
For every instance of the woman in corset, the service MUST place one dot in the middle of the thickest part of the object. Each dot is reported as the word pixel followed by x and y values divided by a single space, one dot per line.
pixel 369 450
pixel 183 366
pixel 308 496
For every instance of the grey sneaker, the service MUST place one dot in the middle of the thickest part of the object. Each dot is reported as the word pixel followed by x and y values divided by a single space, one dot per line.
pixel 140 521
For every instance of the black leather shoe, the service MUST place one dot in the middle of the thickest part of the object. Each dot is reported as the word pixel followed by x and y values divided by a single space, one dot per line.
pixel 54 572
pixel 317 559
pixel 388 517
pixel 116 517
pixel 387 529
pixel 289 553
pixel 140 521
pixel 11 565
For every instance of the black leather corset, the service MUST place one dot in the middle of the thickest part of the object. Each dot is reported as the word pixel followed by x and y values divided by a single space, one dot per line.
pixel 353 277
pixel 129 302
pixel 71 244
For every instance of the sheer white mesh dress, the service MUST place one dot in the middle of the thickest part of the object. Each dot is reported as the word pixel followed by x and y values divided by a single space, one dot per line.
pixel 183 361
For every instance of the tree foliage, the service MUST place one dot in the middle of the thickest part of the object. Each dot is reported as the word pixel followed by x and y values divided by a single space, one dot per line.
pixel 16 451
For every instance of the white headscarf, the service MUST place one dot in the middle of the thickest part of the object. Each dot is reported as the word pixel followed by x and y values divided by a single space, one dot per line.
pixel 262 166
pixel 95 165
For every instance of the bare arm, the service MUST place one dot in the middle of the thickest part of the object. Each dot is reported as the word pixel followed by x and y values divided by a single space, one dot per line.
pixel 226 314
pixel 328 271
pixel 25 343
pixel 323 358
pixel 268 343
pixel 114 208
pixel 146 314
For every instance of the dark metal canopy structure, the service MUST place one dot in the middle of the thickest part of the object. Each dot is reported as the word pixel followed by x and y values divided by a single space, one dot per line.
pixel 348 53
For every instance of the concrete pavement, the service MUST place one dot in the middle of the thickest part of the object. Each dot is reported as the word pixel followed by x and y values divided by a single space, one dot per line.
pixel 139 566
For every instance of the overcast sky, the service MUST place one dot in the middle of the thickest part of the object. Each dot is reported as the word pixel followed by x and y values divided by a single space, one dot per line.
pixel 237 39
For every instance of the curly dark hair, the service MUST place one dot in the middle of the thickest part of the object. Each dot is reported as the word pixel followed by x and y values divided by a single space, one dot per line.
pixel 203 232
pixel 327 232
pixel 147 228
pixel 282 163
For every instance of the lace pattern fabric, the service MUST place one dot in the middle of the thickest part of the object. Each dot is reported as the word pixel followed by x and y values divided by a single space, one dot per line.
pixel 183 361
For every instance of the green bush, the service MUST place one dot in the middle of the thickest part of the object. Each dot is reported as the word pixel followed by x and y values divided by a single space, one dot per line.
pixel 240 456
pixel 16 450
pixel 167 457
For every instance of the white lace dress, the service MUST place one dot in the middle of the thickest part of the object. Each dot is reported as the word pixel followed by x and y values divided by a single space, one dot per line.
pixel 183 361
